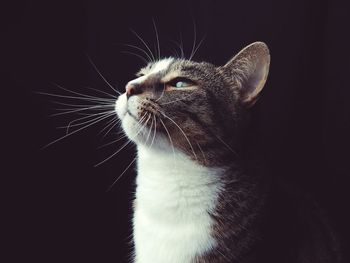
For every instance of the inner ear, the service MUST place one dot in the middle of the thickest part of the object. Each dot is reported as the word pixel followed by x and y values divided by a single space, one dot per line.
pixel 249 70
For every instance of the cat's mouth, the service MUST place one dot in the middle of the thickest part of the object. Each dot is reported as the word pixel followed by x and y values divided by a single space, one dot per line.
pixel 136 124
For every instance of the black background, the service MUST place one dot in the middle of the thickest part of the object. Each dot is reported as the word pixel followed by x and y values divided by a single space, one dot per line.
pixel 57 207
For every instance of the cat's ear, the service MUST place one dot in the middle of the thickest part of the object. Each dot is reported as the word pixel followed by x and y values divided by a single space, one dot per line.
pixel 248 70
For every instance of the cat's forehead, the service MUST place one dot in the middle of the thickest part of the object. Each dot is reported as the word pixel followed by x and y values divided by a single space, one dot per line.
pixel 169 65
pixel 156 67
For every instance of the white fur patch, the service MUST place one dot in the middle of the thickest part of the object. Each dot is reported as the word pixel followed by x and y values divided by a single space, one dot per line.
pixel 121 106
pixel 161 65
pixel 138 80
pixel 158 67
pixel 173 197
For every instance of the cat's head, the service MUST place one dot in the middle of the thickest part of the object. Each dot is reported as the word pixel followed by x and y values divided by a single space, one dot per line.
pixel 192 106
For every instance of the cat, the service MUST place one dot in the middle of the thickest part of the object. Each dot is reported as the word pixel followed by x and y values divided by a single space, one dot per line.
pixel 195 200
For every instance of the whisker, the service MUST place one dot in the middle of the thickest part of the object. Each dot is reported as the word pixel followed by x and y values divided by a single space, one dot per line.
pixel 76 108
pixel 137 55
pixel 106 93
pixel 171 141
pixel 116 180
pixel 140 49
pixel 198 46
pixel 155 130
pixel 70 124
pixel 74 97
pixel 116 119
pixel 82 104
pixel 86 116
pixel 115 153
pixel 194 39
pixel 103 104
pixel 181 132
pixel 82 109
pixel 100 74
pixel 150 130
pixel 112 142
pixel 200 148
pixel 161 95
pixel 157 37
pixel 112 125
pixel 144 43
pixel 179 46
pixel 175 53
pixel 182 47
pixel 226 258
pixel 144 124
pixel 82 128
pixel 109 123
pixel 78 93
pixel 227 146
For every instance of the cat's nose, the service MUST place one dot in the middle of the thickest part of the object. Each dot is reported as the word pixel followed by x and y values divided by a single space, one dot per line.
pixel 132 89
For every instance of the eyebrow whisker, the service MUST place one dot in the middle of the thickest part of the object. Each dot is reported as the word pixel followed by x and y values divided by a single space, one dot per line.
pixel 100 74
pixel 157 37
pixel 140 49
pixel 137 55
pixel 144 43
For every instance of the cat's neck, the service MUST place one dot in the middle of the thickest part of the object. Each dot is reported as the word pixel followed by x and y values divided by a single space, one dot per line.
pixel 173 198
pixel 179 203
pixel 178 181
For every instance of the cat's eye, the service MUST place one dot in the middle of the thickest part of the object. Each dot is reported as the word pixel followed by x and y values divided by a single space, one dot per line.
pixel 180 83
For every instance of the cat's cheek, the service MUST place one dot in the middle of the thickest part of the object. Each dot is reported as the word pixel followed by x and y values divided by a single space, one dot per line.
pixel 131 127
pixel 121 106
pixel 128 126
pixel 133 106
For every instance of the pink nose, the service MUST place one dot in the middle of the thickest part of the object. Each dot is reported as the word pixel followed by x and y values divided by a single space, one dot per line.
pixel 132 89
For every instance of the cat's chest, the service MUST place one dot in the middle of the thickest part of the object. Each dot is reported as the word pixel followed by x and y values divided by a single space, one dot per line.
pixel 171 219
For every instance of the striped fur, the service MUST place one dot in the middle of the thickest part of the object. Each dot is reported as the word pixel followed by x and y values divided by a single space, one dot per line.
pixel 195 200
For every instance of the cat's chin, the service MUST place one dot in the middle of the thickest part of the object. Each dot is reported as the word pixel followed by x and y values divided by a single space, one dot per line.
pixel 139 133
pixel 142 135
pixel 133 129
